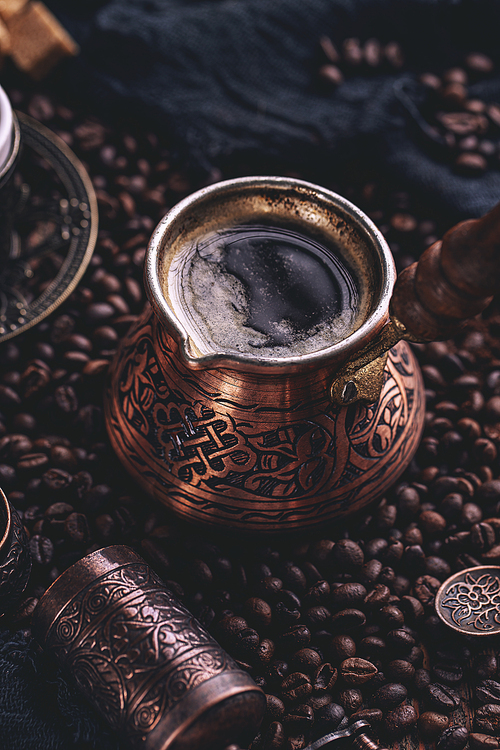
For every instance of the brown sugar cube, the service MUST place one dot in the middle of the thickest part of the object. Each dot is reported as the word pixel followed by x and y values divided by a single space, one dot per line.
pixel 9 8
pixel 38 40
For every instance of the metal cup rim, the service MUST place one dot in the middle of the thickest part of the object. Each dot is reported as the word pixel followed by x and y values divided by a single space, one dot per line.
pixel 4 539
pixel 337 352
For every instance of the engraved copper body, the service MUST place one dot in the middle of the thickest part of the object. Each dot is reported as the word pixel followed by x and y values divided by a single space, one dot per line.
pixel 269 445
pixel 15 557
pixel 142 659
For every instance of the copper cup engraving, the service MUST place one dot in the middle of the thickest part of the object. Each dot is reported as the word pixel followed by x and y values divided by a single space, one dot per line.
pixel 252 443
pixel 142 659
pixel 15 557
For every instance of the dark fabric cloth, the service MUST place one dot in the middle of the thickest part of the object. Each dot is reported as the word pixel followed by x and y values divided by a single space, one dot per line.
pixel 226 76
pixel 39 710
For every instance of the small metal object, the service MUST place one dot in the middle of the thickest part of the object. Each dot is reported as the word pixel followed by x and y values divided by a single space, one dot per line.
pixel 7 187
pixel 15 557
pixel 469 601
pixel 142 659
pixel 356 732
pixel 56 217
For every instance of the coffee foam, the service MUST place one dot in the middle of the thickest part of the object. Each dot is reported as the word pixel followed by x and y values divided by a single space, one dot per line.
pixel 218 304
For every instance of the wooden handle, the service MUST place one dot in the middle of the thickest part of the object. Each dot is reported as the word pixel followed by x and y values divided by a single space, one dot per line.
pixel 453 280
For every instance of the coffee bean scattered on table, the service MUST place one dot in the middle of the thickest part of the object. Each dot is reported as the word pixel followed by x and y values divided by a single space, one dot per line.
pixel 336 626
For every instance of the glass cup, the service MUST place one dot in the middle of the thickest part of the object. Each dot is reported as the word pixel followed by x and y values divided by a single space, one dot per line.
pixel 10 144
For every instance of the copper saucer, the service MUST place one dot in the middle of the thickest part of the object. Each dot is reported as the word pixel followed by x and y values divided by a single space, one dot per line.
pixel 55 230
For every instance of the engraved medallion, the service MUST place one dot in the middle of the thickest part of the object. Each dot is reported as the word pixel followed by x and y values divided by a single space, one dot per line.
pixel 469 601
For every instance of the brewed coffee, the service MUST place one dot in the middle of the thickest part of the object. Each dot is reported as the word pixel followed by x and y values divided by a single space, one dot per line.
pixel 268 291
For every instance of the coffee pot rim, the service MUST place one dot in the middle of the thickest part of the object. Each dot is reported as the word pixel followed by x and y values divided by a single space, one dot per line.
pixel 335 353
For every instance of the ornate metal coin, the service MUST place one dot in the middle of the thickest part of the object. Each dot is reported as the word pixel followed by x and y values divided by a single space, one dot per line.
pixel 469 601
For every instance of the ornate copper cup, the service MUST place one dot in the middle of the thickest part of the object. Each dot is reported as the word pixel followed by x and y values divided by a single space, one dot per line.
pixel 231 434
pixel 15 557
pixel 142 659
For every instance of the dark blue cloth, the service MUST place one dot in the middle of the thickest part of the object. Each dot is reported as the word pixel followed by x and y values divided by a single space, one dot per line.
pixel 226 76
pixel 39 710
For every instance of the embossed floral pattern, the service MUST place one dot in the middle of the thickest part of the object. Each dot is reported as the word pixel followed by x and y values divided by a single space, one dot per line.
pixel 133 649
pixel 474 602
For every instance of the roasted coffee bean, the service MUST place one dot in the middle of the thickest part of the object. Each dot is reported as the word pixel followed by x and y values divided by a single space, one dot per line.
pixel 351 700
pixel 275 708
pixel 341 647
pixel 412 608
pixel 287 609
pixel 372 646
pixel 328 718
pixel 449 673
pixel 257 612
pixel 373 716
pixel 488 691
pixel 356 671
pixel 32 463
pixel 299 718
pixel 453 738
pixel 370 571
pixel 317 594
pixel 274 737
pixel 295 637
pixel 442 697
pixel 432 724
pixel 76 528
pixel 296 686
pixel 479 741
pixel 399 640
pixel 42 550
pixel 386 516
pixel 319 700
pixel 278 670
pixel 325 677
pixel 293 578
pixel 347 595
pixel 400 670
pixel 425 589
pixel 317 617
pixel 306 660
pixel 390 695
pixel 485 666
pixel 387 576
pixel 391 617
pixel 347 555
pixel 347 619
pixel 408 501
pixel 487 719
pixel 400 720
pixel 415 656
pixel 270 587
pixel 378 596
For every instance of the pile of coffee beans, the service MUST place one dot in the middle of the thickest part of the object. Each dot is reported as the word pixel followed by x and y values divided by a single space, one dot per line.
pixel 459 128
pixel 356 57
pixel 467 126
pixel 334 626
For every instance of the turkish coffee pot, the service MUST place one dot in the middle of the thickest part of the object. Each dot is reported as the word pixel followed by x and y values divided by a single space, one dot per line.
pixel 286 437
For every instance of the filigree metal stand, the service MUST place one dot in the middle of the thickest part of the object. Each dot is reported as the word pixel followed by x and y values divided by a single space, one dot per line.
pixel 55 230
